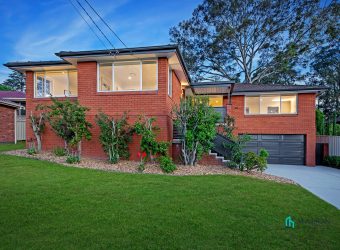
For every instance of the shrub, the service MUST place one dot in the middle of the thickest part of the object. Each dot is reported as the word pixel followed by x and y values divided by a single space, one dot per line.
pixel 253 161
pixel 68 120
pixel 141 167
pixel 31 151
pixel 332 161
pixel 115 134
pixel 59 151
pixel 71 159
pixel 236 147
pixel 166 164
pixel 31 147
pixel 148 144
pixel 196 121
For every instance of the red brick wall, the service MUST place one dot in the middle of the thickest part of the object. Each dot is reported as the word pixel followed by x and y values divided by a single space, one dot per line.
pixel 49 138
pixel 150 103
pixel 7 126
pixel 170 103
pixel 302 123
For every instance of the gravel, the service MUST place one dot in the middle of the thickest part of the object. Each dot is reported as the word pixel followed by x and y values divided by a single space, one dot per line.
pixel 150 168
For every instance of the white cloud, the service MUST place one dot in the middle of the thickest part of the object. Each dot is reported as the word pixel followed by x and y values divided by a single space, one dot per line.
pixel 57 29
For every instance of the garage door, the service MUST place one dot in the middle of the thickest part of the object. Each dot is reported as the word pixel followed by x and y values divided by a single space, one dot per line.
pixel 282 149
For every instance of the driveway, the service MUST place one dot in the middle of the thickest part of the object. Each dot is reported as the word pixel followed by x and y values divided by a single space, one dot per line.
pixel 322 181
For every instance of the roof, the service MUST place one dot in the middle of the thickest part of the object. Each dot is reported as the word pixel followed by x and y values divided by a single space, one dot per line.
pixel 134 50
pixel 35 63
pixel 212 88
pixel 12 95
pixel 241 88
pixel 9 103
pixel 70 58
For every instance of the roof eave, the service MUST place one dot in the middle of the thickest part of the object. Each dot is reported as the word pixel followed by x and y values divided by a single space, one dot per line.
pixel 278 91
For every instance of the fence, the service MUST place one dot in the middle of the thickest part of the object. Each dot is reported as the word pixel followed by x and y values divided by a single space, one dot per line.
pixel 333 143
pixel 20 128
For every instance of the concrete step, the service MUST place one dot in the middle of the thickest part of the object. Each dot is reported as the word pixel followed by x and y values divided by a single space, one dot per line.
pixel 218 157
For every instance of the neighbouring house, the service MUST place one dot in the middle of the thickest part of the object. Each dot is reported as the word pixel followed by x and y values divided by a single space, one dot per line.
pixel 12 116
pixel 150 80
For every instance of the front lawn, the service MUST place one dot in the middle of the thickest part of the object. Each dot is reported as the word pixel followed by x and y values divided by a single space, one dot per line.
pixel 46 205
pixel 12 146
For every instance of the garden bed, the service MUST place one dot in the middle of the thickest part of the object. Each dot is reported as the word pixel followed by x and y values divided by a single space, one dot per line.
pixel 150 168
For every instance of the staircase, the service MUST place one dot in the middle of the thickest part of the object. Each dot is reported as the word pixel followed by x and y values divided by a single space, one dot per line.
pixel 219 150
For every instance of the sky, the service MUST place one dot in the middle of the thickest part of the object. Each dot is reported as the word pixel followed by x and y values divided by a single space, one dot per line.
pixel 34 30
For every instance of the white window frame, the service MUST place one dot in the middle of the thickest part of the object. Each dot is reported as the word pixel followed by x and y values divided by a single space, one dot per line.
pixel 113 76
pixel 67 71
pixel 170 81
pixel 272 94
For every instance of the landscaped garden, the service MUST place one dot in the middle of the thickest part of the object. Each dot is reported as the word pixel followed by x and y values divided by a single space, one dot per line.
pixel 62 200
pixel 46 204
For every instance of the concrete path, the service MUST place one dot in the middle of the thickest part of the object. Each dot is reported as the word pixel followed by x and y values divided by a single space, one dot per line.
pixel 324 182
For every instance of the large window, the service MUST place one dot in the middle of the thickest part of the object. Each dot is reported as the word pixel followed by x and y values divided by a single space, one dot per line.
pixel 271 104
pixel 127 76
pixel 56 83
pixel 216 101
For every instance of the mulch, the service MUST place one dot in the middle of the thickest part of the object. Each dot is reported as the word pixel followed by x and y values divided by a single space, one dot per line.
pixel 150 168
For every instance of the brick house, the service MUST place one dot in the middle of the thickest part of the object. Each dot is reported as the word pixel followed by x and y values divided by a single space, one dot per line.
pixel 150 80
pixel 12 107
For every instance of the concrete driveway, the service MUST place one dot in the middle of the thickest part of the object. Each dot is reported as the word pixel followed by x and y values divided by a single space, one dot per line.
pixel 322 181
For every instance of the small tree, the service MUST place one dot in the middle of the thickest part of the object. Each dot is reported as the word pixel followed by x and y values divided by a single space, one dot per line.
pixel 237 144
pixel 144 127
pixel 196 121
pixel 114 136
pixel 68 120
pixel 38 126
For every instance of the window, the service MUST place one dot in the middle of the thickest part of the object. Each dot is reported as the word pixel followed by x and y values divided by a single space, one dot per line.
pixel 127 76
pixel 170 82
pixel 216 101
pixel 105 77
pixel 56 83
pixel 271 104
pixel 252 105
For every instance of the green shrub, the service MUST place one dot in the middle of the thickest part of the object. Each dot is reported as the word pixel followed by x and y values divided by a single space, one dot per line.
pixel 141 167
pixel 332 161
pixel 31 151
pixel 71 159
pixel 253 161
pixel 148 143
pixel 166 164
pixel 115 135
pixel 59 151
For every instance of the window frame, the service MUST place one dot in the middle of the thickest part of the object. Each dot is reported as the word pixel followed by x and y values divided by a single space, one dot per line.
pixel 113 75
pixel 272 94
pixel 170 81
pixel 67 71
pixel 220 96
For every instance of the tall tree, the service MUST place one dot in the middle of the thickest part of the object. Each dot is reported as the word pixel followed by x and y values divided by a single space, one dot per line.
pixel 5 88
pixel 251 40
pixel 325 68
pixel 16 81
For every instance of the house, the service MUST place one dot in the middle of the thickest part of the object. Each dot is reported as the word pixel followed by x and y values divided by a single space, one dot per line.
pixel 12 112
pixel 150 80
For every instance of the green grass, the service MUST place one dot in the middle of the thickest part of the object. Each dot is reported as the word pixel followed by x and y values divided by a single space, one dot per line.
pixel 45 205
pixel 12 146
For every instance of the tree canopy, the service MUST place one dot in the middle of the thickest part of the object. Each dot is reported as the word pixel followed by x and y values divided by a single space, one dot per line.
pixel 15 81
pixel 254 41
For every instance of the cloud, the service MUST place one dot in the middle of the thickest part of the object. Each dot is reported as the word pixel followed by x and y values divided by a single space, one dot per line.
pixel 53 32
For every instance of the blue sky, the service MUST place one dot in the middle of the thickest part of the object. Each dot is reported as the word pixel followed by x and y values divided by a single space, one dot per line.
pixel 35 30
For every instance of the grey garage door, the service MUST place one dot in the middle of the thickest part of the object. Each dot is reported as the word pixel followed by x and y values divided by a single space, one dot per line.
pixel 282 149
